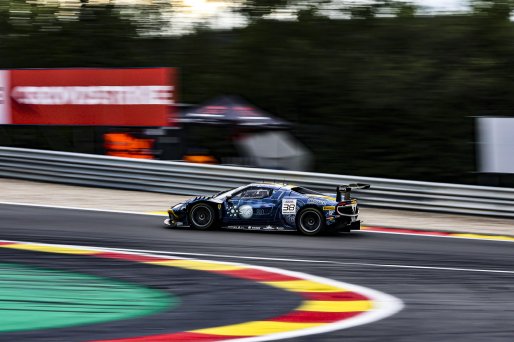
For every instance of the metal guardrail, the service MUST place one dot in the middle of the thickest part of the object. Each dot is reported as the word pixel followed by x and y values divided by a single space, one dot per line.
pixel 193 179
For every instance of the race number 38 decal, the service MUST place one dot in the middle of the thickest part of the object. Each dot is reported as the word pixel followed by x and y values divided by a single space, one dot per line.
pixel 288 206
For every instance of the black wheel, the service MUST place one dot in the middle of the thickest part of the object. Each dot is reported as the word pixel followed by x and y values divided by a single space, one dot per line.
pixel 310 221
pixel 202 216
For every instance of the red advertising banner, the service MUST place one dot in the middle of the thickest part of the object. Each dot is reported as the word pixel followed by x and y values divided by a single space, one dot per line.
pixel 99 97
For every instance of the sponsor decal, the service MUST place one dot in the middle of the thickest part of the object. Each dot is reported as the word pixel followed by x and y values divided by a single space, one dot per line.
pixel 262 211
pixel 316 201
pixel 94 95
pixel 100 97
pixel 268 227
pixel 232 211
pixel 329 207
pixel 331 220
pixel 245 211
pixel 288 206
pixel 236 227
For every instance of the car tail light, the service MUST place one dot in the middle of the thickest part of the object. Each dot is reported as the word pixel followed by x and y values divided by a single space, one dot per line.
pixel 343 203
pixel 346 208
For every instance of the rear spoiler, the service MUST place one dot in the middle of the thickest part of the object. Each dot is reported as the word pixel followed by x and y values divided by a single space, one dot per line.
pixel 347 190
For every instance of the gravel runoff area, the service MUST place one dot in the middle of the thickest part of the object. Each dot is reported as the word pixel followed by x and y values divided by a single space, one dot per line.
pixel 28 192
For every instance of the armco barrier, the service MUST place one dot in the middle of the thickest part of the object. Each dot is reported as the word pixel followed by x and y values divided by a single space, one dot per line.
pixel 192 179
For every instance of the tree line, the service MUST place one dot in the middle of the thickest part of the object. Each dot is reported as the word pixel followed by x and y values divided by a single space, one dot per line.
pixel 391 96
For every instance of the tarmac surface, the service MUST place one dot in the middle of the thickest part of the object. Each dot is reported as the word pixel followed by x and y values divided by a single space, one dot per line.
pixel 453 289
pixel 21 191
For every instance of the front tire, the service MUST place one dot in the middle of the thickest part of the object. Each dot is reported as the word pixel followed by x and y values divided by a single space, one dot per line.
pixel 202 216
pixel 310 221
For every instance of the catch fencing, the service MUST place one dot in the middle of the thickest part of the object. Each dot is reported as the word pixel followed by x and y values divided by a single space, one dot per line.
pixel 194 179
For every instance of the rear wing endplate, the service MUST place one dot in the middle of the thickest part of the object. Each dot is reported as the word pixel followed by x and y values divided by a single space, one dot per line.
pixel 347 190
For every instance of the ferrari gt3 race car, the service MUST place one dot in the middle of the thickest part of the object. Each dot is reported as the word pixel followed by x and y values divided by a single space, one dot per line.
pixel 269 206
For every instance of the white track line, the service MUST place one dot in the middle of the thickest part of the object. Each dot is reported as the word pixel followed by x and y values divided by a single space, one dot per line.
pixel 153 214
pixel 317 261
pixel 181 254
pixel 167 253
pixel 77 208
pixel 384 305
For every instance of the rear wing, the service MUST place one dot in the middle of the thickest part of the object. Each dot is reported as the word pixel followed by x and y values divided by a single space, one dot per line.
pixel 347 190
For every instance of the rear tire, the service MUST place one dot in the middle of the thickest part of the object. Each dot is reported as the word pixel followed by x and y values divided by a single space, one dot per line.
pixel 202 216
pixel 310 221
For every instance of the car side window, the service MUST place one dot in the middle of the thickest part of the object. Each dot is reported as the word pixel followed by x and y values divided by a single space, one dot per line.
pixel 254 193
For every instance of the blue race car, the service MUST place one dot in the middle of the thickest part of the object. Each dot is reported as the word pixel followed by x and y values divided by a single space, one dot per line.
pixel 269 206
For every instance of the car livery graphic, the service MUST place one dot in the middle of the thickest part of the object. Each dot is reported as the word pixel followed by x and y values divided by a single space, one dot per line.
pixel 270 206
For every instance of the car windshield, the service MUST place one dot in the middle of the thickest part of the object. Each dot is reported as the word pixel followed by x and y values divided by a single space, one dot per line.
pixel 224 193
pixel 305 191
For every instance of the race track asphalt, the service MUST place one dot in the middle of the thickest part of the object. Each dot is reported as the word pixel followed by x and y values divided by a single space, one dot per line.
pixel 451 291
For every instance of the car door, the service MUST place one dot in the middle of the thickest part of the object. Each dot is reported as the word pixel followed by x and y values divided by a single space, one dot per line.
pixel 253 206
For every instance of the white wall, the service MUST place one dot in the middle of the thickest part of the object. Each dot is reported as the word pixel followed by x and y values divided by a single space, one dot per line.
pixel 495 145
pixel 5 116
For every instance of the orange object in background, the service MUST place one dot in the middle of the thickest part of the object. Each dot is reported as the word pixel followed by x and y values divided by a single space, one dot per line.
pixel 126 145
pixel 200 159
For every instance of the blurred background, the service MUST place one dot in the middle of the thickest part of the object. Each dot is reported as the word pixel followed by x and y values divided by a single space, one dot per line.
pixel 388 89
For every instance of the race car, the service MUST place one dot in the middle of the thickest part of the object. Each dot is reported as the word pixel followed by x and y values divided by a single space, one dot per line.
pixel 270 206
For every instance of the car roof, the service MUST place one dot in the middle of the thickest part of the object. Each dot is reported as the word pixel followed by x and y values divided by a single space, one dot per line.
pixel 277 186
pixel 271 185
